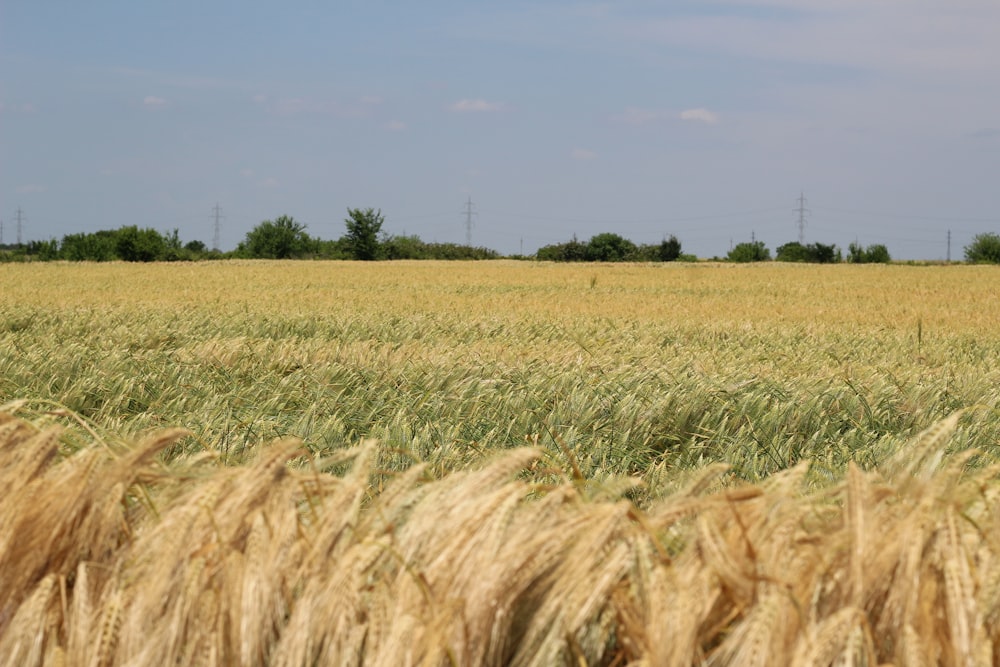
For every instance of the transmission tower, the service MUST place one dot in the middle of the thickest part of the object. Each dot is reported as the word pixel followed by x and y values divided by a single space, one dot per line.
pixel 469 212
pixel 19 219
pixel 802 211
pixel 217 214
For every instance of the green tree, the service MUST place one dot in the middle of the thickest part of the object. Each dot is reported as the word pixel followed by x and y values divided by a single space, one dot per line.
pixel 670 249
pixel 363 227
pixel 874 254
pixel 856 253
pixel 139 245
pixel 571 251
pixel 817 253
pixel 749 252
pixel 878 254
pixel 792 252
pixel 824 254
pixel 282 238
pixel 984 249
pixel 100 246
pixel 609 247
pixel 43 250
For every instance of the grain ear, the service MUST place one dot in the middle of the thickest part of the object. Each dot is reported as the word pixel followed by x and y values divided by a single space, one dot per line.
pixel 112 558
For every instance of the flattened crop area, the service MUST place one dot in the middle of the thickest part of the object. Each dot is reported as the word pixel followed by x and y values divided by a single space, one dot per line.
pixel 633 370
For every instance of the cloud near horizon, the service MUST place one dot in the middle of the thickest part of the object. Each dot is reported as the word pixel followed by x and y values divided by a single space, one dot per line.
pixel 464 106
pixel 153 102
pixel 700 116
pixel 583 154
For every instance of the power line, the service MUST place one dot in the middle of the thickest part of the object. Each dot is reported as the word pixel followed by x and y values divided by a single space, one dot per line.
pixel 658 220
pixel 409 218
pixel 906 216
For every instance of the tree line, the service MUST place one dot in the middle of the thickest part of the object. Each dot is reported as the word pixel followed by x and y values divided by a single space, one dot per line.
pixel 814 253
pixel 364 239
pixel 281 238
pixel 984 249
pixel 615 248
pixel 610 247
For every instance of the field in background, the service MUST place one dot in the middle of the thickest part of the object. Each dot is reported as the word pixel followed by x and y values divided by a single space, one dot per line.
pixel 728 464
pixel 629 370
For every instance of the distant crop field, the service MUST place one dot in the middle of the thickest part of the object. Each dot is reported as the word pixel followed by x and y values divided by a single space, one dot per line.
pixel 502 463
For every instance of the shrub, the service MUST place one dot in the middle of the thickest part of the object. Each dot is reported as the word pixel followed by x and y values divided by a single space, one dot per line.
pixel 404 247
pixel 97 247
pixel 749 252
pixel 457 251
pixel 816 253
pixel 43 250
pixel 283 238
pixel 610 247
pixel 984 249
pixel 874 254
pixel 572 251
pixel 139 245
pixel 792 252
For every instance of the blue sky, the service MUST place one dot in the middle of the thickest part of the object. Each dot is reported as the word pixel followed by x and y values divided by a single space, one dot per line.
pixel 701 119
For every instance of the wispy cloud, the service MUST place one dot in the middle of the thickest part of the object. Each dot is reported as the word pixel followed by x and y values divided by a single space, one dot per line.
pixel 153 102
pixel 582 154
pixel 477 105
pixel 951 38
pixel 638 116
pixel 395 125
pixel 31 188
pixel 699 116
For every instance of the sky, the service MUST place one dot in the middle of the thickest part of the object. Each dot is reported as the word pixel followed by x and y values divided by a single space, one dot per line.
pixel 705 120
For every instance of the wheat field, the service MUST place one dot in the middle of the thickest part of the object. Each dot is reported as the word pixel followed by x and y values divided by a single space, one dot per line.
pixel 267 463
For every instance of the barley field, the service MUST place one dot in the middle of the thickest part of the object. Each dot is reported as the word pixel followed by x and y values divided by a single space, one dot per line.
pixel 268 463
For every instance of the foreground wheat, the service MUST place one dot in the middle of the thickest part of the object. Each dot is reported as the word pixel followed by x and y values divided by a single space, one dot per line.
pixel 107 558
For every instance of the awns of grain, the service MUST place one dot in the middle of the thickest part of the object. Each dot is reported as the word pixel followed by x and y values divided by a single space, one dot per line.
pixel 110 558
